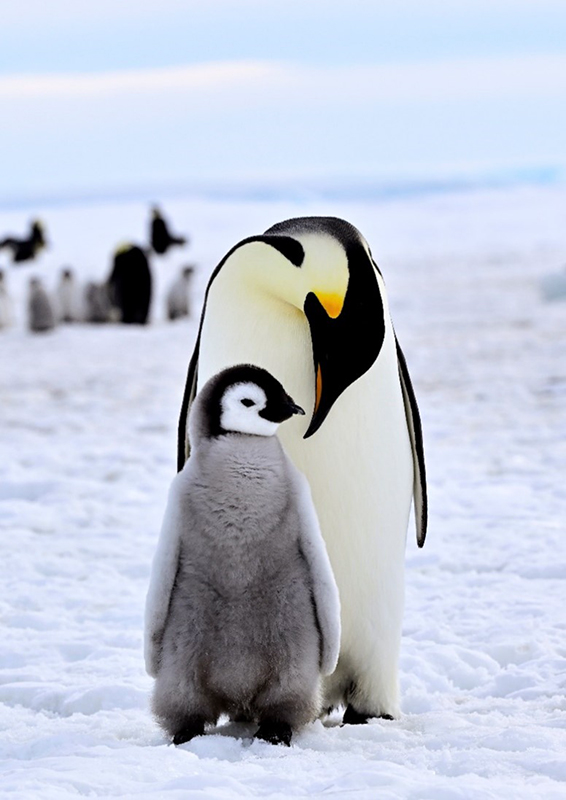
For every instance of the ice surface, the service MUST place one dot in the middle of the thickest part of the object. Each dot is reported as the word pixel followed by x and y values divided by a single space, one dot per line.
pixel 88 450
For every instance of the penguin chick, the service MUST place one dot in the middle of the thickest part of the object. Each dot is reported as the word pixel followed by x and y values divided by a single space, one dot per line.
pixel 160 236
pixel 5 304
pixel 97 302
pixel 242 613
pixel 26 249
pixel 178 295
pixel 41 316
pixel 68 300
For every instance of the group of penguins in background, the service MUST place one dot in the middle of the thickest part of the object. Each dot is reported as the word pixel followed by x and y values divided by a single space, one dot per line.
pixel 124 297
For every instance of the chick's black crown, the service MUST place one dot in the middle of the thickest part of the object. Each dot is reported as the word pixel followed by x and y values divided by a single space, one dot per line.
pixel 279 407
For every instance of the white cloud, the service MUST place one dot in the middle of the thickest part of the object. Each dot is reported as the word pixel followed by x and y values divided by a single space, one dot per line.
pixel 257 118
pixel 197 78
pixel 265 82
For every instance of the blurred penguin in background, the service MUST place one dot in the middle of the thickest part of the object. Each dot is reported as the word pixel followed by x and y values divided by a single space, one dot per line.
pixel 28 248
pixel 178 302
pixel 41 316
pixel 130 284
pixel 68 300
pixel 97 302
pixel 160 236
pixel 5 304
pixel 553 286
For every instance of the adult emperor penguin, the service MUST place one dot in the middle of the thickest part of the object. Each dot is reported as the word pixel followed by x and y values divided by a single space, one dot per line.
pixel 307 302
pixel 130 284
pixel 242 613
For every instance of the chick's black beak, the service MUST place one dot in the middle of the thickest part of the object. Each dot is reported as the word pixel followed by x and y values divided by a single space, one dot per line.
pixel 281 409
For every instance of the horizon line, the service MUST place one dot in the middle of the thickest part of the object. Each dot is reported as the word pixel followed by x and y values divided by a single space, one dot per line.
pixel 379 188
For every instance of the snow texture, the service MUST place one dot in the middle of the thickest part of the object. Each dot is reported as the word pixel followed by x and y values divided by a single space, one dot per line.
pixel 88 452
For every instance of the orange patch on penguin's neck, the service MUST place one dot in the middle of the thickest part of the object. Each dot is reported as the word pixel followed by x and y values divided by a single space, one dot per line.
pixel 318 388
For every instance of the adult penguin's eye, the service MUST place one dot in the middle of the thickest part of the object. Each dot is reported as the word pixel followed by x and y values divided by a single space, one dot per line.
pixel 247 402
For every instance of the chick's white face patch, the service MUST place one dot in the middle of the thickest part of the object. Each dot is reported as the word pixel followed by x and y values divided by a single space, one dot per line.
pixel 240 407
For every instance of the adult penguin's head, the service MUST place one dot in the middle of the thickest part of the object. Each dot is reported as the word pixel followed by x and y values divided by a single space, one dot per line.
pixel 322 267
pixel 341 298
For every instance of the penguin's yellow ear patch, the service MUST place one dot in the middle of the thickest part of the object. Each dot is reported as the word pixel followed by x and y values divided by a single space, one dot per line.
pixel 332 303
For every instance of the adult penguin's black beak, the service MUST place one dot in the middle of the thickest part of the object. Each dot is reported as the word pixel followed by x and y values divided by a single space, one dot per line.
pixel 328 353
pixel 345 341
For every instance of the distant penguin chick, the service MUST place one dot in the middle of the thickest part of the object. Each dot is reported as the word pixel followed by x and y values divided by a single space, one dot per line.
pixel 553 286
pixel 5 304
pixel 97 302
pixel 26 249
pixel 41 316
pixel 178 304
pixel 68 302
pixel 242 613
pixel 160 236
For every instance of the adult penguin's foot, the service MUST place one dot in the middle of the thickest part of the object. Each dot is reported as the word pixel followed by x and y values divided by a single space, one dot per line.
pixel 353 717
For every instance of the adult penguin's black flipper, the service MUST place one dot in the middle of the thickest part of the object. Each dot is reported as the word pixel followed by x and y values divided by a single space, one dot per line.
pixel 414 426
pixel 183 446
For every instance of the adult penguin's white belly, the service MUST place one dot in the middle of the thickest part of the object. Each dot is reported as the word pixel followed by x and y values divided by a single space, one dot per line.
pixel 361 460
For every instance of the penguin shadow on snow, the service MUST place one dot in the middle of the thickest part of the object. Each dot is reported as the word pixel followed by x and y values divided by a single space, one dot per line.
pixel 310 737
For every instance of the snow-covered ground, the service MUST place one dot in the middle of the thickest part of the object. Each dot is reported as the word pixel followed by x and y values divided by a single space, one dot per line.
pixel 88 418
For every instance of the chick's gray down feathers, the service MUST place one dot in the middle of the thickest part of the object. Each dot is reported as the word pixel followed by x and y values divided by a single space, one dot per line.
pixel 242 612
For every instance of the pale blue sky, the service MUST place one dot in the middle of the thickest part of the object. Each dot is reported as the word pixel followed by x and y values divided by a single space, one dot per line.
pixel 77 35
pixel 131 93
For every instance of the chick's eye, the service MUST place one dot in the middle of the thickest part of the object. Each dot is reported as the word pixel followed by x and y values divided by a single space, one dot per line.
pixel 247 402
